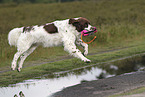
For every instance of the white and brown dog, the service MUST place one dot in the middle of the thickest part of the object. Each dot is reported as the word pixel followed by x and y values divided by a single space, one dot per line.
pixel 63 32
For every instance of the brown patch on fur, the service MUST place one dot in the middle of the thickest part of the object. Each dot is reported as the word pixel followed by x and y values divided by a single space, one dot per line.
pixel 51 28
pixel 84 20
pixel 80 24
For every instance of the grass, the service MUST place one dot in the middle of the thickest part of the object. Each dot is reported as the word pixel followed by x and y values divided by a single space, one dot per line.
pixel 131 92
pixel 12 77
pixel 120 24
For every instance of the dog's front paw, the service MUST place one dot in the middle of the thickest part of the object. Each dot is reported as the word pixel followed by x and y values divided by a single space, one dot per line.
pixel 19 69
pixel 87 60
pixel 85 53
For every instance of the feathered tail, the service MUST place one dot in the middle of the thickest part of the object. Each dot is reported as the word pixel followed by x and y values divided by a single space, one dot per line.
pixel 13 36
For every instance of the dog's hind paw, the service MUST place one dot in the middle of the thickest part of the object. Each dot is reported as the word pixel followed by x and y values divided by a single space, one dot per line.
pixel 19 69
pixel 13 68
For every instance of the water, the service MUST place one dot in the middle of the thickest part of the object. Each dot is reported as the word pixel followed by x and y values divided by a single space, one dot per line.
pixel 46 85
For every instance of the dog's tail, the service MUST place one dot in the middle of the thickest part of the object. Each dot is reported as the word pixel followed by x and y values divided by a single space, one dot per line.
pixel 13 36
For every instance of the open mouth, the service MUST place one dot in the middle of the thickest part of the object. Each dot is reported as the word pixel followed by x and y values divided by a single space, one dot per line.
pixel 88 33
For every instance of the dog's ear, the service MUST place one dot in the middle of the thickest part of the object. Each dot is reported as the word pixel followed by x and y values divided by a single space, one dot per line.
pixel 72 21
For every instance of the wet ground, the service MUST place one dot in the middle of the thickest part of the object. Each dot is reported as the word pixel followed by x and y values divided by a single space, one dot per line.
pixel 105 87
pixel 91 79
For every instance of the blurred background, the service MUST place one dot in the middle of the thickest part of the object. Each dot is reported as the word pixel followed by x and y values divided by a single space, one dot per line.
pixel 38 1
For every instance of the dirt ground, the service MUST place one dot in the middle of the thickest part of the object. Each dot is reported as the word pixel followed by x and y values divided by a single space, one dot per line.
pixel 106 87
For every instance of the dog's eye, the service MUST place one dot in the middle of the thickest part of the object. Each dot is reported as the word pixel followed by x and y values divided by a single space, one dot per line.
pixel 86 25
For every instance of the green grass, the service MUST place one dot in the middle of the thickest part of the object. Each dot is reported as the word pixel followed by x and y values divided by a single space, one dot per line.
pixel 131 92
pixel 120 23
pixel 12 77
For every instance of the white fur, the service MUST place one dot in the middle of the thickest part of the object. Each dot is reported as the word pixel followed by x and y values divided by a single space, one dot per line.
pixel 27 42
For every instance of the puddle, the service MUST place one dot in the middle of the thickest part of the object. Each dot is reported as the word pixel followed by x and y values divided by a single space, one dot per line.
pixel 46 85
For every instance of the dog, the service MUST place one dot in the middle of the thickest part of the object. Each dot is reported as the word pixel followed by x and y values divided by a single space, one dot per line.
pixel 61 32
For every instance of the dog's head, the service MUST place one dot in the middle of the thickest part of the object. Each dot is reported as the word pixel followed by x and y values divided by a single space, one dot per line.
pixel 81 24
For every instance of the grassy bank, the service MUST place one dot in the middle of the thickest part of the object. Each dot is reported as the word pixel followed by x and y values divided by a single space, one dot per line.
pixel 135 92
pixel 12 77
pixel 120 23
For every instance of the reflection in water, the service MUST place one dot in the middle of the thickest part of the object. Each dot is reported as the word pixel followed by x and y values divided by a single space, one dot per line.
pixel 48 84
pixel 21 94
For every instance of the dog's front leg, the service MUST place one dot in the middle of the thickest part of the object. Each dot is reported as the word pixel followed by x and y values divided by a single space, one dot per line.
pixel 84 45
pixel 72 49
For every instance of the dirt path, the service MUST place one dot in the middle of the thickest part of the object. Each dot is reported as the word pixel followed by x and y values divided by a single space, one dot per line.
pixel 105 87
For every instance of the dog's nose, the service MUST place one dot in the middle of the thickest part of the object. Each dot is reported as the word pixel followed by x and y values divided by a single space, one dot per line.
pixel 93 28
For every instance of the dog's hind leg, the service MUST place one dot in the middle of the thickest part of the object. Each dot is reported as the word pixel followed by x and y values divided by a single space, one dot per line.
pixel 25 55
pixel 14 62
pixel 22 46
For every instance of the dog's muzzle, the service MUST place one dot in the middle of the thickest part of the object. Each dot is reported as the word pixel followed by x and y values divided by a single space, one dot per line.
pixel 88 33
